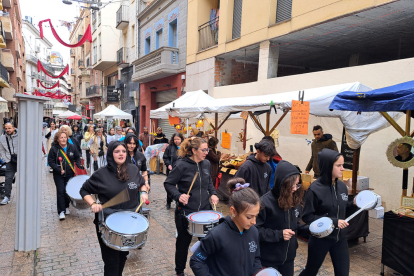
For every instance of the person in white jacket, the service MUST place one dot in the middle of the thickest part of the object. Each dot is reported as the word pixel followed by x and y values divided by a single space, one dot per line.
pixel 8 152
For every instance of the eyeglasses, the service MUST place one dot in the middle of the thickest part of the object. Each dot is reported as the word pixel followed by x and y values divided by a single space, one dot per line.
pixel 205 150
pixel 297 186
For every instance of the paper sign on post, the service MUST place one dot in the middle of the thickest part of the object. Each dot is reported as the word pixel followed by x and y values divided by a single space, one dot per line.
pixel 299 119
pixel 225 140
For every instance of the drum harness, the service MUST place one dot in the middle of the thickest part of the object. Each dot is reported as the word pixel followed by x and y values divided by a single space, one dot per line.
pixel 337 213
pixel 287 248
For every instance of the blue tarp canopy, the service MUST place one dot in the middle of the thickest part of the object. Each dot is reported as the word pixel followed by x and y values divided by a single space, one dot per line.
pixel 399 97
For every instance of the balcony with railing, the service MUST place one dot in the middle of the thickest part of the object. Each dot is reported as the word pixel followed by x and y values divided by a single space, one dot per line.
pixel 84 73
pixel 2 36
pixel 160 63
pixel 122 17
pixel 17 48
pixel 8 92
pixel 93 91
pixel 208 34
pixel 72 52
pixel 19 74
pixel 7 26
pixel 72 71
pixel 81 65
pixel 122 58
pixel 34 75
pixel 7 59
pixel 4 76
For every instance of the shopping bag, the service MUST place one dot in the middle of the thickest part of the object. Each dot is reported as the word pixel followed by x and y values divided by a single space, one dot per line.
pixel 79 171
pixel 84 145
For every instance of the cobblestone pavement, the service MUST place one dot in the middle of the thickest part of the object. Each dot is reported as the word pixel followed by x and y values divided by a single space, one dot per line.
pixel 70 247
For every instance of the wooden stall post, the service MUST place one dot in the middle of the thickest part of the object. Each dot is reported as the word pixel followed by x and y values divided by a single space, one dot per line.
pixel 355 166
pixel 216 122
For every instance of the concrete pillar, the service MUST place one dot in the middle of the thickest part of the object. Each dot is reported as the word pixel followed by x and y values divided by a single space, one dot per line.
pixel 29 177
pixel 268 61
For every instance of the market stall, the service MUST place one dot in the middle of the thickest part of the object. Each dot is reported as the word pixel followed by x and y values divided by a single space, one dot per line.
pixel 397 251
pixel 66 114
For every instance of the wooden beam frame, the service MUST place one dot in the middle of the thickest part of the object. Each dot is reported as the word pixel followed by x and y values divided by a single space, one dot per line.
pixel 392 122
pixel 279 121
pixel 257 122
pixel 216 128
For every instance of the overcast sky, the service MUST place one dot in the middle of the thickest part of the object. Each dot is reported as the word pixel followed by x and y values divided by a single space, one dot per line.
pixel 54 10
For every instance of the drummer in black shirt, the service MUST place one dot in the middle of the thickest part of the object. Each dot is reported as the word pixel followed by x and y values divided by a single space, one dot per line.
pixel 106 183
pixel 135 156
pixel 193 152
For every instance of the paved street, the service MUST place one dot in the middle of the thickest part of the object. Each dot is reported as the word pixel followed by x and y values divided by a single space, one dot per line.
pixel 70 247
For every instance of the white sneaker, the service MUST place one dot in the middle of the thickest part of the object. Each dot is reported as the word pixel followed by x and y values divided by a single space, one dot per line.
pixel 50 170
pixel 67 211
pixel 62 216
pixel 5 200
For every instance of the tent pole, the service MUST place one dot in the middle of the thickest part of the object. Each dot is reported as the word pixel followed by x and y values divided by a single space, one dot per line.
pixel 149 136
pixel 188 131
pixel 405 170
pixel 279 121
pixel 355 166
pixel 267 123
pixel 257 123
pixel 392 122
pixel 225 119
pixel 407 123
pixel 215 122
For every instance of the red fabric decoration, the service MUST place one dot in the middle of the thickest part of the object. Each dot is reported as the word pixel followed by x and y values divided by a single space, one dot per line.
pixel 41 84
pixel 55 95
pixel 40 67
pixel 86 36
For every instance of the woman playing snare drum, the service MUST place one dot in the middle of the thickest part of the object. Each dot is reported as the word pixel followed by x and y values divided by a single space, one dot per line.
pixel 232 247
pixel 328 197
pixel 192 151
pixel 106 183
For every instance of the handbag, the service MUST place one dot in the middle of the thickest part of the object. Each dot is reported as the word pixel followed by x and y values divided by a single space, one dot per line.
pixel 84 145
pixel 13 156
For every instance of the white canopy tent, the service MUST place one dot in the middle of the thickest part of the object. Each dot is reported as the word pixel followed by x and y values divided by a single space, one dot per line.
pixel 114 112
pixel 3 105
pixel 358 127
pixel 66 114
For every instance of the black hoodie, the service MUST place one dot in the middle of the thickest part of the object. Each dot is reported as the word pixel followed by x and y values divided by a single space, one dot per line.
pixel 272 220
pixel 256 173
pixel 73 155
pixel 323 199
pixel 182 175
pixel 138 159
pixel 105 183
pixel 170 155
pixel 224 251
pixel 325 142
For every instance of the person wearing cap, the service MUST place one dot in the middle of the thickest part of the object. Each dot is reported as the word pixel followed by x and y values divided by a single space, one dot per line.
pixel 160 138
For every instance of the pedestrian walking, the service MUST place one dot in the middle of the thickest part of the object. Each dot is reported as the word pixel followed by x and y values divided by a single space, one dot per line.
pixel 50 136
pixel 62 158
pixel 214 157
pixel 97 147
pixel 232 247
pixel 170 157
pixel 136 157
pixel 88 136
pixel 8 153
pixel 77 137
pixel 106 183
pixel 193 152
pixel 111 136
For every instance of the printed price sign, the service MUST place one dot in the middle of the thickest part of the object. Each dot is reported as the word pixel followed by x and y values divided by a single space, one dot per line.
pixel 299 119
pixel 232 172
pixel 407 202
pixel 225 140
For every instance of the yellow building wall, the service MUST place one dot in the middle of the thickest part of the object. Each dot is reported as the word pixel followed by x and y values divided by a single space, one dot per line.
pixel 258 21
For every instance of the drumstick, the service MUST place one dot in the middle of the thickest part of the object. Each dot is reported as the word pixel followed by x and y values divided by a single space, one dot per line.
pixel 214 207
pixel 146 202
pixel 357 212
pixel 122 197
pixel 61 166
pixel 195 176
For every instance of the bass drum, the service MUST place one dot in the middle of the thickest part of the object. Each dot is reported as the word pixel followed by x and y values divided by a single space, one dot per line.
pixel 72 189
pixel 268 272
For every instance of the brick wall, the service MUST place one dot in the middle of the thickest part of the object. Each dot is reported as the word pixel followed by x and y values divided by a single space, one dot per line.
pixel 228 72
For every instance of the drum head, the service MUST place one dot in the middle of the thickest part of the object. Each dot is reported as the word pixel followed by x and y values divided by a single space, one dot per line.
pixel 205 216
pixel 269 272
pixel 127 223
pixel 365 197
pixel 320 225
pixel 75 184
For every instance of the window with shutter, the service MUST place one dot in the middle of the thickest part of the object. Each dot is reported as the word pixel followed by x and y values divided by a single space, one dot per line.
pixel 237 17
pixel 283 10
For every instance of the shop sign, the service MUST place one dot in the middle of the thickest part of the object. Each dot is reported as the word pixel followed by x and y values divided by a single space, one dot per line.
pixel 112 94
pixel 91 105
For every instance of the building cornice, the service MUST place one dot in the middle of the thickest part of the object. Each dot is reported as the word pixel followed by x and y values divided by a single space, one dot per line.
pixel 152 8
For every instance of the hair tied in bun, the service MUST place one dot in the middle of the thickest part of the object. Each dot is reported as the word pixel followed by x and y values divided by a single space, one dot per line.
pixel 240 186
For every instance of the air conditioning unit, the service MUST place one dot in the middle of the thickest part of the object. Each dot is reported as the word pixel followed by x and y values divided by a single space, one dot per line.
pixel 118 84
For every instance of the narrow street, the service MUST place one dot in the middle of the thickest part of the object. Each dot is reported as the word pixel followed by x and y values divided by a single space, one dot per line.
pixel 70 247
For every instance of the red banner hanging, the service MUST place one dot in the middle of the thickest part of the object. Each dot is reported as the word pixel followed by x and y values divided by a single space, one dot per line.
pixel 86 36
pixel 55 95
pixel 54 86
pixel 40 67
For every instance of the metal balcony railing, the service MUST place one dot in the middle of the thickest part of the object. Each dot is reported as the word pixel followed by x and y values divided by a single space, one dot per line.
pixel 72 52
pixel 94 90
pixel 72 72
pixel 34 75
pixel 81 64
pixel 3 73
pixel 122 17
pixel 79 37
pixel 121 56
pixel 208 34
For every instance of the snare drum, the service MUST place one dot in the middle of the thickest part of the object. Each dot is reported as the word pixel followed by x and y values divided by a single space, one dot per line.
pixel 322 227
pixel 365 197
pixel 124 231
pixel 72 189
pixel 199 223
pixel 268 272
pixel 146 212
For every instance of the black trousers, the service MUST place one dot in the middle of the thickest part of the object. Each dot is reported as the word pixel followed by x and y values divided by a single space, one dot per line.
pixel 11 169
pixel 169 197
pixel 114 260
pixel 88 158
pixel 183 241
pixel 62 199
pixel 317 250
pixel 286 269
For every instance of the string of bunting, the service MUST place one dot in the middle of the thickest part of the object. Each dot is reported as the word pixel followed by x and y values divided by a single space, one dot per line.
pixel 85 37
pixel 40 67
pixel 54 86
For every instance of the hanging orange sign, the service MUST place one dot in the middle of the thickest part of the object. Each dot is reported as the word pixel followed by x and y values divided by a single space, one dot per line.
pixel 173 120
pixel 299 118
pixel 225 140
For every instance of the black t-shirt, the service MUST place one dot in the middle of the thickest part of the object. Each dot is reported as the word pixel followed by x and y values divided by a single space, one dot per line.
pixel 138 160
pixel 399 158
